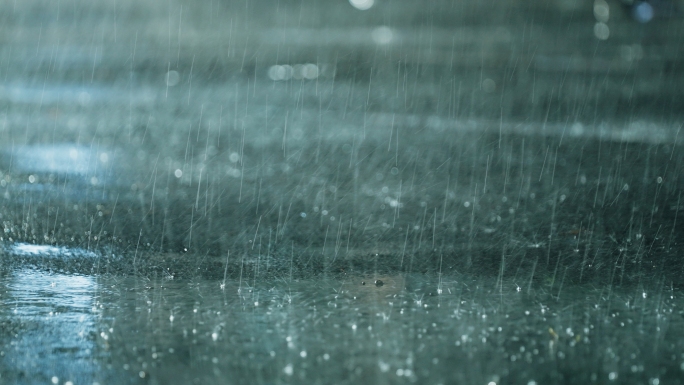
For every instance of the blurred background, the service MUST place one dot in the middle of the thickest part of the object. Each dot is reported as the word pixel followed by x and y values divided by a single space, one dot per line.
pixel 351 128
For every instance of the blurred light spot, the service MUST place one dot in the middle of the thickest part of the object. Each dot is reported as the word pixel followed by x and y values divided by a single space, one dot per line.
pixel 55 380
pixel 288 370
pixel 643 12
pixel 104 157
pixel 73 153
pixel 178 173
pixel 361 4
pixel 612 376
pixel 488 85
pixel 659 180
pixel 32 178
pixel 303 215
pixel 310 71
pixel 234 157
pixel 83 98
pixel 601 31
pixel 93 181
pixel 382 35
pixel 298 71
pixel 277 72
pixel 577 129
pixel 601 11
pixel 172 78
pixel 631 52
pixel 289 72
pixel 626 52
pixel 234 172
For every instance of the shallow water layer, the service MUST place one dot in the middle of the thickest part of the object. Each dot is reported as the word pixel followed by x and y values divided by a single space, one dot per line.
pixel 382 329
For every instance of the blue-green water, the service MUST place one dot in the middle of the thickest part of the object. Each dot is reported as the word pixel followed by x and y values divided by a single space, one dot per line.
pixel 427 329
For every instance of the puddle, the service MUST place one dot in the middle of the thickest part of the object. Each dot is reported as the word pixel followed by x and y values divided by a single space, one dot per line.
pixel 412 329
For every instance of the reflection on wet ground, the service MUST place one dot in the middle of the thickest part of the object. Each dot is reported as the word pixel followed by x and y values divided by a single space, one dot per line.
pixel 48 326
pixel 413 328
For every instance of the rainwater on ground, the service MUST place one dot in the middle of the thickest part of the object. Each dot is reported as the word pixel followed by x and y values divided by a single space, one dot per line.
pixel 414 328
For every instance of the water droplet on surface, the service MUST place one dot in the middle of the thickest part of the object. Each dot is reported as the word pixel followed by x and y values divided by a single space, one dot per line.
pixel 379 283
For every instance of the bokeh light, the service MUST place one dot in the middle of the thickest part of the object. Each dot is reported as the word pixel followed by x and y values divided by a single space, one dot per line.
pixel 601 11
pixel 643 12
pixel 601 31
pixel 362 4
pixel 382 35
